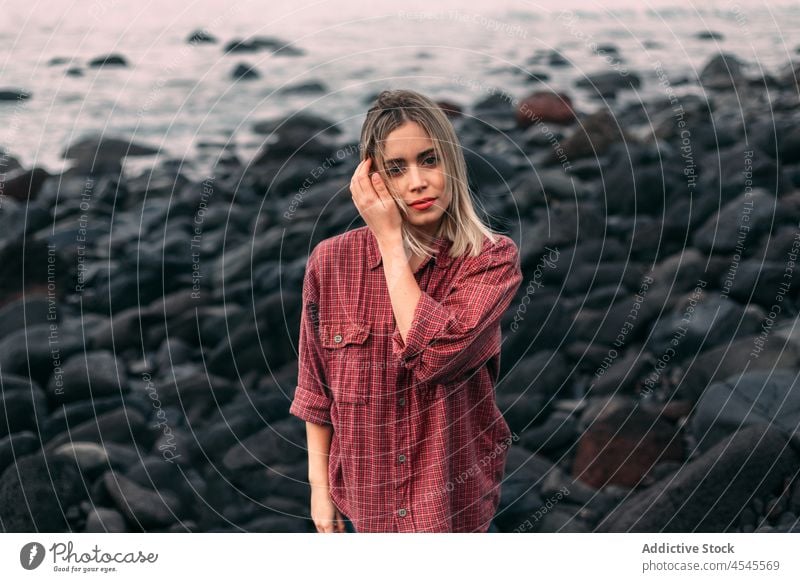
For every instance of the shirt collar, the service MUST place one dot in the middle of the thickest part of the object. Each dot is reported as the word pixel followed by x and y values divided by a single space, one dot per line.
pixel 440 244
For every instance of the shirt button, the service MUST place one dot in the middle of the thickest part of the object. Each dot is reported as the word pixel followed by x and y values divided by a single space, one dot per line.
pixel 401 401
pixel 337 338
pixel 401 512
pixel 401 458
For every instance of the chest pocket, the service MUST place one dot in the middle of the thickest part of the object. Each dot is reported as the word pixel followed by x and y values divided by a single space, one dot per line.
pixel 348 359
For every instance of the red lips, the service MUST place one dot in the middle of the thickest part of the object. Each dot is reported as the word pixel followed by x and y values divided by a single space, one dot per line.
pixel 421 201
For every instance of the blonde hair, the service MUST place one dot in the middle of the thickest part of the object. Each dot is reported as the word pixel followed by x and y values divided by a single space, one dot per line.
pixel 460 223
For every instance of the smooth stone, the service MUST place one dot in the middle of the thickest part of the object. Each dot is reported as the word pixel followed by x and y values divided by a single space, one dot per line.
pixel 771 396
pixel 9 94
pixel 722 71
pixel 15 446
pixel 201 36
pixel 142 507
pixel 22 410
pixel 112 60
pixel 244 72
pixel 105 520
pixel 274 444
pixel 53 483
pixel 87 376
pixel 90 457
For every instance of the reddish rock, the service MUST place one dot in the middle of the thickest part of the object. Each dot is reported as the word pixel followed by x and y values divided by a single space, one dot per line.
pixel 622 446
pixel 545 106
pixel 592 137
pixel 24 184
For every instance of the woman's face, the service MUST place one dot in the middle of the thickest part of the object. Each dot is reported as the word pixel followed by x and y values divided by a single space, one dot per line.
pixel 415 174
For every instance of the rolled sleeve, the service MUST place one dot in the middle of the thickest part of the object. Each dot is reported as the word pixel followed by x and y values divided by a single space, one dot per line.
pixel 461 332
pixel 312 398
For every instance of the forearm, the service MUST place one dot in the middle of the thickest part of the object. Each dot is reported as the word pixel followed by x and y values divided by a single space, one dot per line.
pixel 403 289
pixel 319 446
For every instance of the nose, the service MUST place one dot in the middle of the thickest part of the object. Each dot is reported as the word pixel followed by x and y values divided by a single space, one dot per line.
pixel 416 179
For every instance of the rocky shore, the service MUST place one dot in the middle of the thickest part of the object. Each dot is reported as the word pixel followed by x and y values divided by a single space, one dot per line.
pixel 148 322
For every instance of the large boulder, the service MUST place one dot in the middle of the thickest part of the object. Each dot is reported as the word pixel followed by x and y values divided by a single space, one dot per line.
pixel 764 396
pixel 708 493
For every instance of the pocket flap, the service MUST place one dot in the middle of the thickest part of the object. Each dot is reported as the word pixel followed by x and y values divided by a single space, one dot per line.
pixel 339 334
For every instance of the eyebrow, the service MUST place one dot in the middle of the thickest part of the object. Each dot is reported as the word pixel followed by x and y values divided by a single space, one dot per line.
pixel 420 156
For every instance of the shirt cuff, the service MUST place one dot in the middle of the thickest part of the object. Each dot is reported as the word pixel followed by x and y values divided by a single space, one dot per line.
pixel 310 406
pixel 428 322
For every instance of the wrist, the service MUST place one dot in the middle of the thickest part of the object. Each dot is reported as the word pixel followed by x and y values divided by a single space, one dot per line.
pixel 390 240
pixel 318 482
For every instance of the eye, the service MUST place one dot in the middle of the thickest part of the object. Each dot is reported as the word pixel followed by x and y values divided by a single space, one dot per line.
pixel 394 171
pixel 431 160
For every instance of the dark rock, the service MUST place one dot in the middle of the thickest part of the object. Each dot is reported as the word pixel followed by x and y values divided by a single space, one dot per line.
pixel 298 135
pixel 118 426
pixel 276 443
pixel 22 410
pixel 607 83
pixel 593 136
pixel 243 72
pixel 15 446
pixel 201 36
pixel 105 520
pixel 723 71
pixel 23 313
pixel 14 95
pixel 486 172
pixel 760 282
pixel 113 60
pixel 709 35
pixel 706 494
pixel 702 321
pixel 754 397
pixel 34 493
pixel 497 104
pixel 28 351
pixel 257 43
pixel 622 445
pixel 741 221
pixel 562 519
pixel 556 59
pixel 216 439
pixel 557 432
pixel 90 458
pixel 520 495
pixel 88 375
pixel 142 507
pixel 723 172
pixel 8 163
pixel 102 153
pixel 545 106
pixel 306 88
pixel 620 374
pixel 24 185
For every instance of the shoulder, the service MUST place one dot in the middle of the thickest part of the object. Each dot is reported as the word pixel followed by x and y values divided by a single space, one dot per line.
pixel 502 250
pixel 330 251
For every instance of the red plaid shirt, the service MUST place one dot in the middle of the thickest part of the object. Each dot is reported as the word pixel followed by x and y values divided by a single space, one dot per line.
pixel 419 444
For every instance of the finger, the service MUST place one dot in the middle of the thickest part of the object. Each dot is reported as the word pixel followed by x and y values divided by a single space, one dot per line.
pixel 340 523
pixel 379 185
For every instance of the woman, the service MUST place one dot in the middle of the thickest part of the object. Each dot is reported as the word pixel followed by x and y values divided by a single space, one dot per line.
pixel 400 339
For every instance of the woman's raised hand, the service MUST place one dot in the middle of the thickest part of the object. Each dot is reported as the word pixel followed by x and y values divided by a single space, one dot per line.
pixel 374 202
